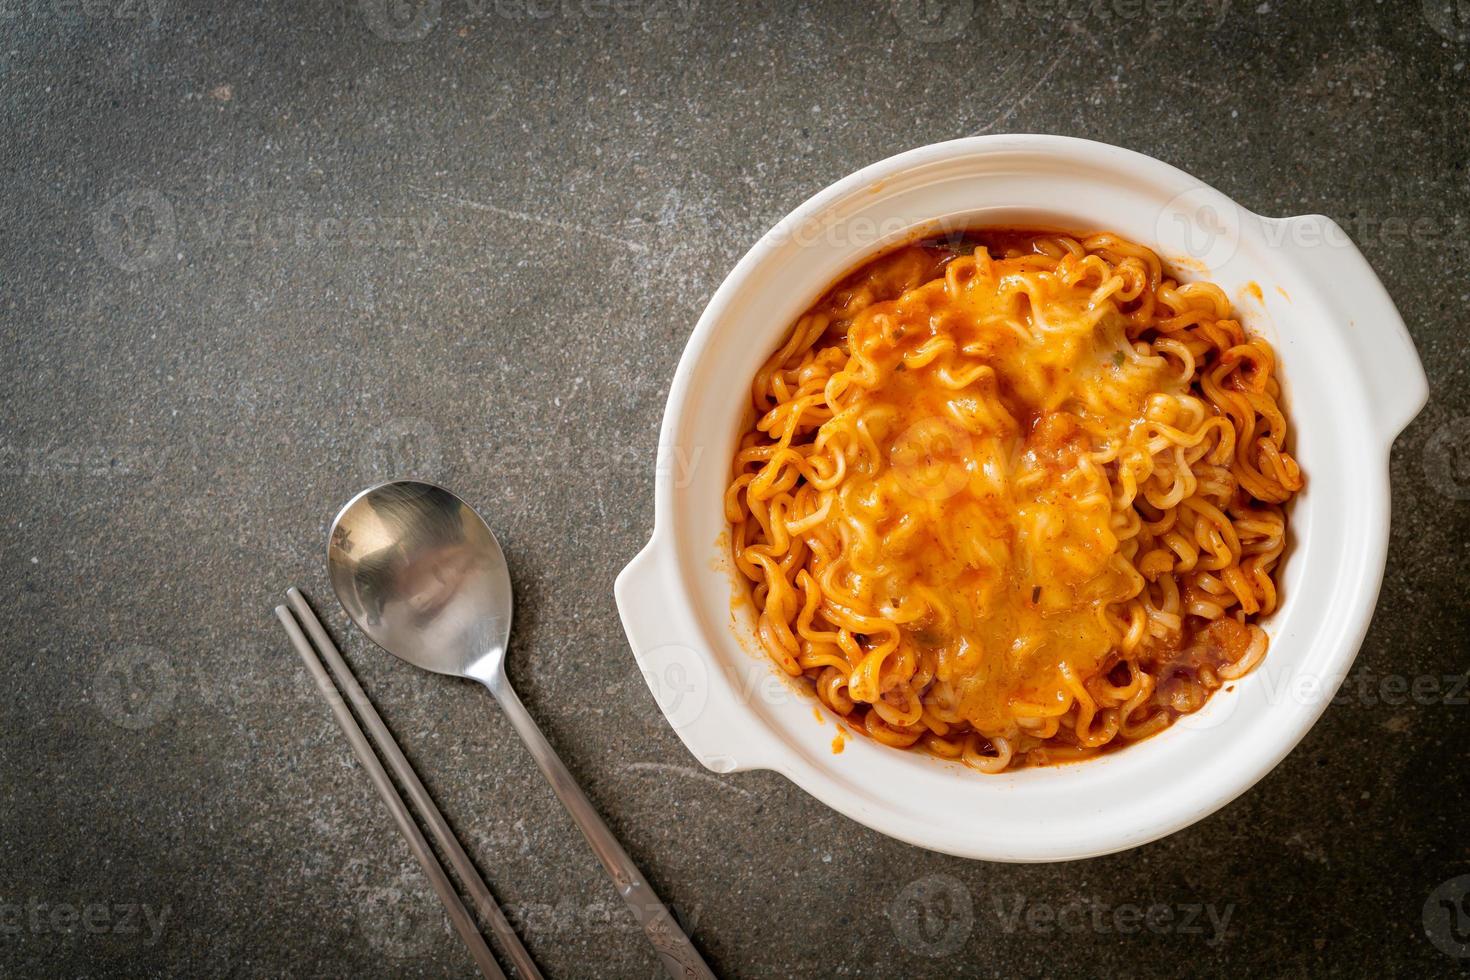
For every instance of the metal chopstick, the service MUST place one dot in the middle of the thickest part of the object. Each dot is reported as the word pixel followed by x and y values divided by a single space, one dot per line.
pixel 438 826
pixel 458 914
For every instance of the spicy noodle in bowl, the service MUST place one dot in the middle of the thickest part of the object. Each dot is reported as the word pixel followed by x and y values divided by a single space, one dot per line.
pixel 1014 497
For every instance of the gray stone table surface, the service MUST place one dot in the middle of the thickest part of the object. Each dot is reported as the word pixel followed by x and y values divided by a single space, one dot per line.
pixel 259 255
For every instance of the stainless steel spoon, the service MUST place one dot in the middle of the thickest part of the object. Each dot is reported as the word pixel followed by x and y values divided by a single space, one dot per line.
pixel 421 573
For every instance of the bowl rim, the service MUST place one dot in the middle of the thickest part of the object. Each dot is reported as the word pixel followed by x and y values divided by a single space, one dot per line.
pixel 654 585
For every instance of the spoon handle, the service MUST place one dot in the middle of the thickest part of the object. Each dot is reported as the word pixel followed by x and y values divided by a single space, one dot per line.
pixel 678 954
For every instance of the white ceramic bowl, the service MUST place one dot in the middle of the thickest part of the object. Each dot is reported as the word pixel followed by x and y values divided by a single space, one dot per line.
pixel 1352 381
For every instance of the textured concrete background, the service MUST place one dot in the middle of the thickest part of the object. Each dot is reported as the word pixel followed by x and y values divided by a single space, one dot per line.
pixel 256 256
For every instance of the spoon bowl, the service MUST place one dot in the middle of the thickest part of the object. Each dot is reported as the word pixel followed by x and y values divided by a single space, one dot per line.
pixel 423 576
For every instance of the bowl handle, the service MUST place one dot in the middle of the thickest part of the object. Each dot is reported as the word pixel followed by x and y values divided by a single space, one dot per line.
pixel 1381 348
pixel 692 688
